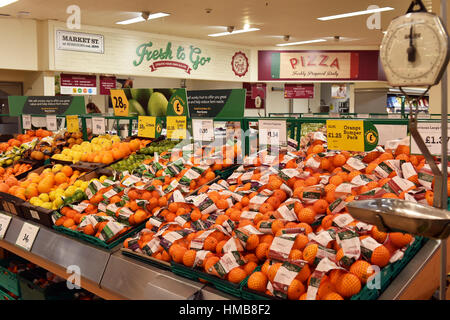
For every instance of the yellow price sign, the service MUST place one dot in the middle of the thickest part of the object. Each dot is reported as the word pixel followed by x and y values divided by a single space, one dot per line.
pixel 146 127
pixel 72 124
pixel 345 135
pixel 120 103
pixel 176 127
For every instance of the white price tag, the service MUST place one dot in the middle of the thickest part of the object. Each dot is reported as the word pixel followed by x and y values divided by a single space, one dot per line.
pixel 27 236
pixel 272 132
pixel 431 135
pixel 4 224
pixel 52 124
pixel 98 126
pixel 26 121
pixel 363 115
pixel 203 129
pixel 394 116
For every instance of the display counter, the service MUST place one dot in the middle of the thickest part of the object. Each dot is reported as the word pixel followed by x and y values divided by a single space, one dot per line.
pixel 111 275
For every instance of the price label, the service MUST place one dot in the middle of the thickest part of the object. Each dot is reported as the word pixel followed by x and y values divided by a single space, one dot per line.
pixel 120 103
pixel 52 124
pixel 272 132
pixel 4 224
pixel 176 127
pixel 363 115
pixel 146 127
pixel 203 129
pixel 26 121
pixel 431 135
pixel 72 123
pixel 394 116
pixel 98 126
pixel 27 236
pixel 351 135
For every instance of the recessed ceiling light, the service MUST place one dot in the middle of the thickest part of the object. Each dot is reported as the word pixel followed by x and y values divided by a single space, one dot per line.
pixel 356 13
pixel 300 42
pixel 4 3
pixel 233 32
pixel 143 17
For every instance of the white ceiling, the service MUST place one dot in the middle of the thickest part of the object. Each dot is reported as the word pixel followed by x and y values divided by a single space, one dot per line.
pixel 275 18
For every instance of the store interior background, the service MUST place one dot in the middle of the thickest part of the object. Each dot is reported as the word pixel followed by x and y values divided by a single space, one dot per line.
pixel 25 66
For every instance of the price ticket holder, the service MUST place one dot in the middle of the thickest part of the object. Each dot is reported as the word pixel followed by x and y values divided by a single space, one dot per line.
pixel 394 215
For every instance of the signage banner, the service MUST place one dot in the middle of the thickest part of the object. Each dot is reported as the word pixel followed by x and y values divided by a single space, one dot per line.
pixel 61 105
pixel 149 102
pixel 78 84
pixel 431 135
pixel 255 97
pixel 77 41
pixel 106 84
pixel 216 104
pixel 351 135
pixel 149 127
pixel 319 65
pixel 298 91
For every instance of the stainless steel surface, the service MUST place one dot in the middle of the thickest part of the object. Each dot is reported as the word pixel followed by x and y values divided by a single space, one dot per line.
pixel 136 280
pixel 401 282
pixel 209 293
pixel 63 251
pixel 400 215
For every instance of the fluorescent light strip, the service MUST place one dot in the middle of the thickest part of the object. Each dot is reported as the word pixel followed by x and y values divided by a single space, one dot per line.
pixel 300 42
pixel 4 3
pixel 140 18
pixel 356 13
pixel 234 32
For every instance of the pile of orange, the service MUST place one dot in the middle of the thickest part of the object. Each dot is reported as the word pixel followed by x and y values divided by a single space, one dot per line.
pixel 310 197
pixel 14 170
pixel 117 151
pixel 23 138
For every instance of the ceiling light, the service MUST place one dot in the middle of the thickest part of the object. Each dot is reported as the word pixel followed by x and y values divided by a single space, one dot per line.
pixel 246 26
pixel 356 13
pixel 4 3
pixel 143 17
pixel 300 42
pixel 233 32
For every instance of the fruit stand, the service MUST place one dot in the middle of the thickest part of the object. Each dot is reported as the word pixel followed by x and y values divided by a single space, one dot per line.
pixel 112 272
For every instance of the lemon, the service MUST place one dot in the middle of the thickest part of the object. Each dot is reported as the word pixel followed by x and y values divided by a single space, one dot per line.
pixel 38 202
pixel 44 197
pixel 58 203
pixel 85 185
pixel 33 200
pixel 70 191
pixel 57 167
pixel 78 183
pixel 47 205
pixel 52 195
pixel 103 178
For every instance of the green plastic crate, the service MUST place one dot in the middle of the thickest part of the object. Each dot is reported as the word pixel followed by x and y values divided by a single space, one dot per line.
pixel 193 274
pixel 8 279
pixel 5 296
pixel 96 241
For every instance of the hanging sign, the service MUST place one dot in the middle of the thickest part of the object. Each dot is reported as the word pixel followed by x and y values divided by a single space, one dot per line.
pixel 60 105
pixel 431 135
pixel 72 124
pixel 216 104
pixel 176 127
pixel 78 84
pixel 203 129
pixel 98 126
pixel 27 236
pixel 149 127
pixel 26 121
pixel 52 124
pixel 106 84
pixel 120 103
pixel 298 91
pixel 351 135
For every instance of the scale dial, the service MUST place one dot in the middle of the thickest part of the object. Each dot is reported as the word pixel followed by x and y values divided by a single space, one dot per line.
pixel 415 50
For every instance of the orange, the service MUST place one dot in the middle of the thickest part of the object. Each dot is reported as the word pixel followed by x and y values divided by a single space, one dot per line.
pixel 257 281
pixel 304 274
pixel 67 171
pixel 107 158
pixel 273 271
pixel 320 206
pixel 380 256
pixel 325 288
pixel 362 269
pixel 300 242
pixel 210 244
pixel 60 177
pixel 189 258
pixel 378 235
pixel 336 180
pixel 45 185
pixel 277 225
pixel 262 250
pixel 249 267
pixel 303 297
pixel 310 252
pixel 348 285
pixel 177 253
pixel 265 267
pixel 339 160
pixel 333 296
pixel 236 275
pixel 295 290
pixel 252 242
pixel 335 274
pixel 306 215
pixel 68 223
pixel 295 254
pixel 400 239
pixel 305 226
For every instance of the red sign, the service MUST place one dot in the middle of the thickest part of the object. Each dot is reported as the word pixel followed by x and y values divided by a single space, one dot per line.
pixel 255 96
pixel 298 91
pixel 174 64
pixel 106 84
pixel 78 84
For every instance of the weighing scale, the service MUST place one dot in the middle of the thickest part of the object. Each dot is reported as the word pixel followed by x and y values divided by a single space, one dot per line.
pixel 415 52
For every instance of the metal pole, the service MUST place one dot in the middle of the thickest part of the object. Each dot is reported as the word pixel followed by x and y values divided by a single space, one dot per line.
pixel 444 162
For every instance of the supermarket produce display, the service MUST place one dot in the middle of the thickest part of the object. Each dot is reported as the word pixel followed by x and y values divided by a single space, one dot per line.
pixel 274 226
